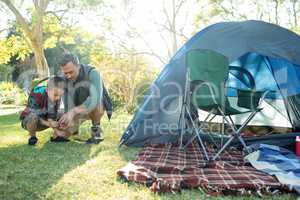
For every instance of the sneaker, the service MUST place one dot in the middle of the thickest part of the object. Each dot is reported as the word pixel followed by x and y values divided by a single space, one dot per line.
pixel 96 137
pixel 76 132
pixel 32 140
pixel 59 139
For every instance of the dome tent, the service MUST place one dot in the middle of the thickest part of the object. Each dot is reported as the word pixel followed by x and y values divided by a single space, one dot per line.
pixel 269 52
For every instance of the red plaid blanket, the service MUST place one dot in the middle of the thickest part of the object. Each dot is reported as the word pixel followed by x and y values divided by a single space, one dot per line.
pixel 168 168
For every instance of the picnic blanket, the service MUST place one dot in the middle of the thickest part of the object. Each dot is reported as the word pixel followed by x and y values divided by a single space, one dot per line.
pixel 278 161
pixel 166 167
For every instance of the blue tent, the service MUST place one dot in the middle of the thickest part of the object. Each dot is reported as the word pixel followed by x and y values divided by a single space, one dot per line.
pixel 270 53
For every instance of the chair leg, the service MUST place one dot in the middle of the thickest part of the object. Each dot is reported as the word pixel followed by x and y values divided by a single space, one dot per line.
pixel 182 121
pixel 236 133
pixel 198 136
pixel 194 136
pixel 242 141
pixel 223 147
pixel 210 134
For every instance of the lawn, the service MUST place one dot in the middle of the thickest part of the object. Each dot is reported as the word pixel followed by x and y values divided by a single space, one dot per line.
pixel 74 170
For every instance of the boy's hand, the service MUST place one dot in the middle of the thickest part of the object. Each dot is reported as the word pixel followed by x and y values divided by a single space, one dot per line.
pixel 49 122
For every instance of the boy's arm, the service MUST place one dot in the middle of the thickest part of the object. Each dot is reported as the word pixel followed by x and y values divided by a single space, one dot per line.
pixel 49 122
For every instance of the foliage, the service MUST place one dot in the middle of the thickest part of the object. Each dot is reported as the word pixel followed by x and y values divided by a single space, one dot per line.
pixel 11 94
pixel 15 45
pixel 5 72
pixel 273 11
pixel 127 78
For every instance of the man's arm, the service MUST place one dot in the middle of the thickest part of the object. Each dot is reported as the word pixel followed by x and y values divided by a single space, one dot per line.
pixel 95 91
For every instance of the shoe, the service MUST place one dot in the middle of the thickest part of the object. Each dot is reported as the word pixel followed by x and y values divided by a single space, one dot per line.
pixel 96 137
pixel 93 140
pixel 75 132
pixel 32 140
pixel 59 139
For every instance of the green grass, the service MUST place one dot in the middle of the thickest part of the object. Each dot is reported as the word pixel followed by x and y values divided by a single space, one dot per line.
pixel 75 170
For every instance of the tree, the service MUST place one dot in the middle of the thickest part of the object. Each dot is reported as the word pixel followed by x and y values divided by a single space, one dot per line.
pixel 33 28
pixel 33 32
pixel 169 23
pixel 127 76
pixel 273 11
pixel 294 8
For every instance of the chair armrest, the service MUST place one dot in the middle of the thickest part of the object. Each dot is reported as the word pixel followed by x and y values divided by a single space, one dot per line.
pixel 249 99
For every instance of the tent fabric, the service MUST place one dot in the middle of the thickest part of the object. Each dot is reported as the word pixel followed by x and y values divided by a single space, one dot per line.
pixel 269 52
pixel 276 161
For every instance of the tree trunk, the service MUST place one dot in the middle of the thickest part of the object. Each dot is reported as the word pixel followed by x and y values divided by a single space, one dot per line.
pixel 276 11
pixel 34 34
pixel 173 29
pixel 294 2
pixel 40 61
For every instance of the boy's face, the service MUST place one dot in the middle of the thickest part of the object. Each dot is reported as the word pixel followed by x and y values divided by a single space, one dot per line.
pixel 55 94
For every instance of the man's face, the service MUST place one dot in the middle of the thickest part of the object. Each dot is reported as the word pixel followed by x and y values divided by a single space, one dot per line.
pixel 55 94
pixel 70 70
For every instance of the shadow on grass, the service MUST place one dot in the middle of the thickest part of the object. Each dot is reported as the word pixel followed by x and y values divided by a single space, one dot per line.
pixel 28 172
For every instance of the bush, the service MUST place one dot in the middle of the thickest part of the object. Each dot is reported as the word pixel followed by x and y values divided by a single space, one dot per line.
pixel 6 72
pixel 11 94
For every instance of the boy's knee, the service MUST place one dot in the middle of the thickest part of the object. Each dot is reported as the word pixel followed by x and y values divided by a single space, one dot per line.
pixel 32 124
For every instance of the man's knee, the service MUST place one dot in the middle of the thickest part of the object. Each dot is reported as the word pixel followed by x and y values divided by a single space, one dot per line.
pixel 97 113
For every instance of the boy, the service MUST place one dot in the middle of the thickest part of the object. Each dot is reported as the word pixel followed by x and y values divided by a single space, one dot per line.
pixel 41 110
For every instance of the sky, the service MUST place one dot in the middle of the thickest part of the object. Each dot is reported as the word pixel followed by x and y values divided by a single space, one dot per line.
pixel 143 17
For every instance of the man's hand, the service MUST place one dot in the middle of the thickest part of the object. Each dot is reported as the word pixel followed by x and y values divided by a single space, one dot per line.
pixel 53 124
pixel 66 120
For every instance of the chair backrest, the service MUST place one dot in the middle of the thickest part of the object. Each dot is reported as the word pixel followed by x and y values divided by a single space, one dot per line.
pixel 209 70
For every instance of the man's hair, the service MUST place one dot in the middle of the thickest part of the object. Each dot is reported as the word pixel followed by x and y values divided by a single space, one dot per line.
pixel 68 57
pixel 56 82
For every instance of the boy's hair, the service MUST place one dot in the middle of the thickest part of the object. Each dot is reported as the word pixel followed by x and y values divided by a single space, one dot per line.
pixel 68 57
pixel 56 82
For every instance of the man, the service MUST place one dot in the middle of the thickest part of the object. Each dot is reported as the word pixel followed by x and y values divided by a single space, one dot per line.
pixel 41 111
pixel 85 98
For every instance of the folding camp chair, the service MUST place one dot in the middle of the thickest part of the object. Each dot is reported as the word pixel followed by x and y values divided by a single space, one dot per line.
pixel 207 73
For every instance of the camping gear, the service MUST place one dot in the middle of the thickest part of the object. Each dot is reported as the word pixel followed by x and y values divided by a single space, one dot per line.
pixel 208 94
pixel 277 161
pixel 167 168
pixel 297 146
pixel 268 52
